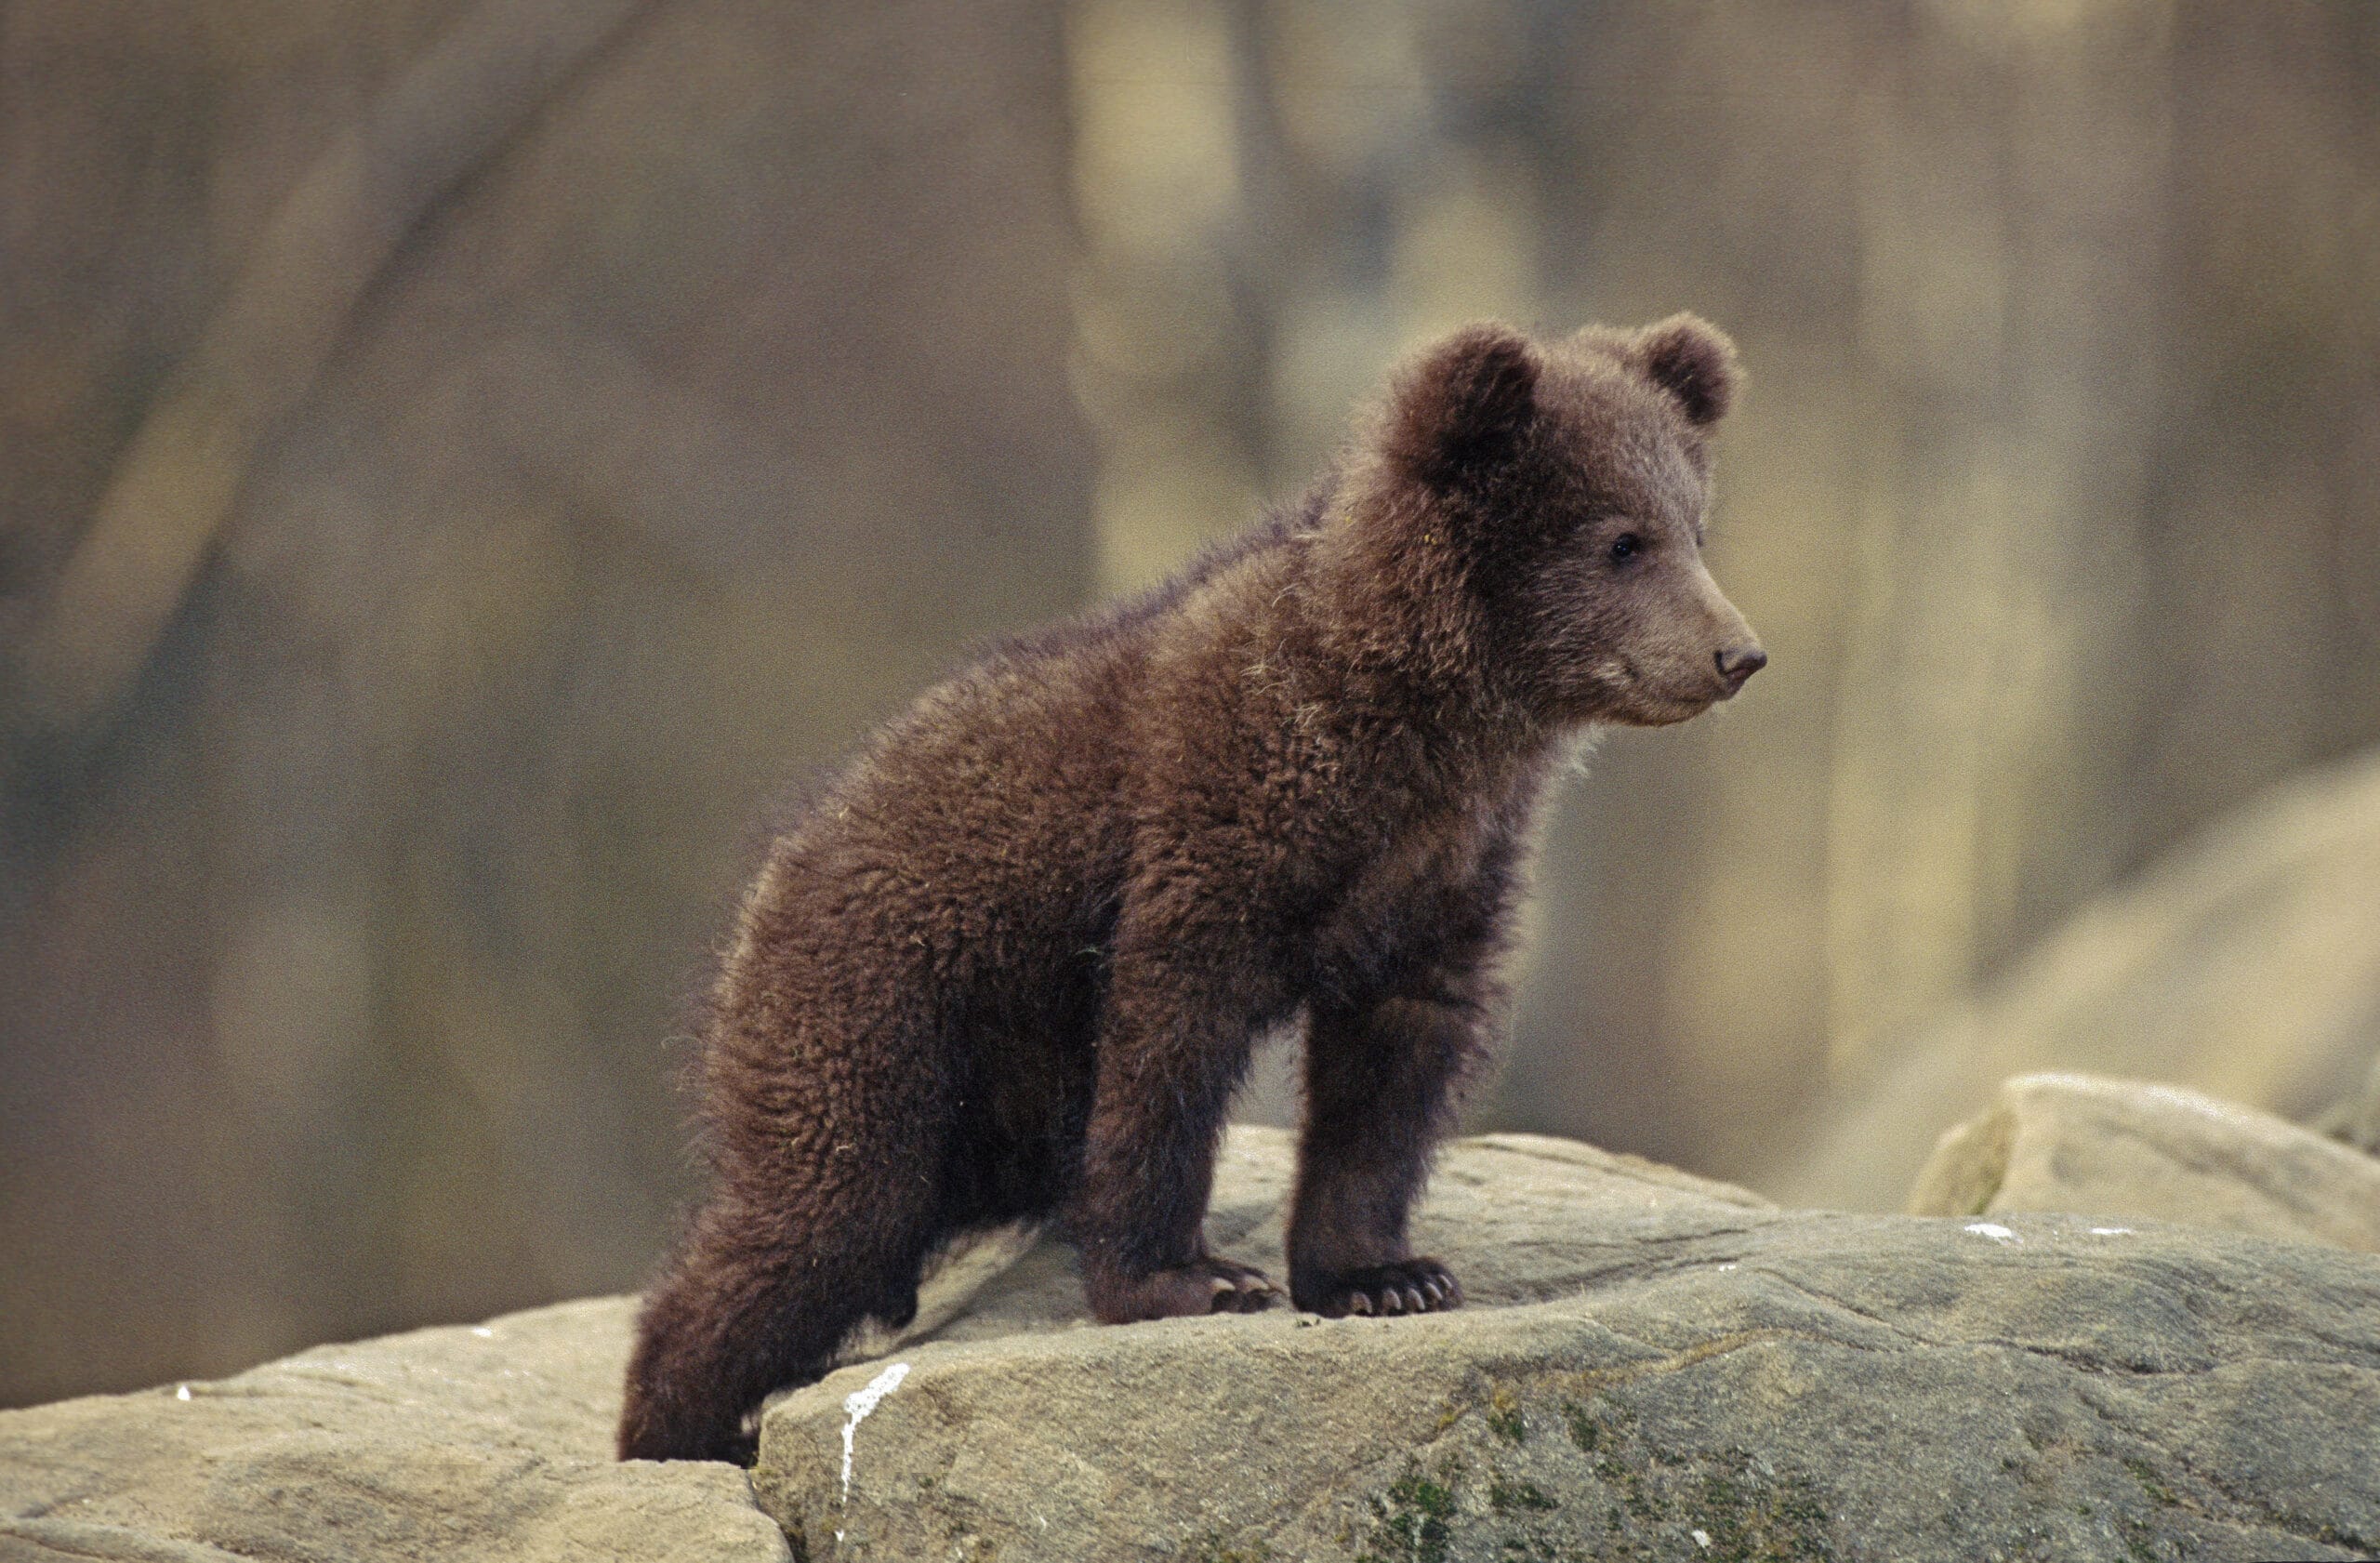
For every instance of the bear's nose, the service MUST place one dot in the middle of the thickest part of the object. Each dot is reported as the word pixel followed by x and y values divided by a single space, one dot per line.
pixel 1739 663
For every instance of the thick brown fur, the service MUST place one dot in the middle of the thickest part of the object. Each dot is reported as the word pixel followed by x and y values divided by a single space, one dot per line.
pixel 1013 961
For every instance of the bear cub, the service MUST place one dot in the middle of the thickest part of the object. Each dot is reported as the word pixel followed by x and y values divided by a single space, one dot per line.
pixel 1010 965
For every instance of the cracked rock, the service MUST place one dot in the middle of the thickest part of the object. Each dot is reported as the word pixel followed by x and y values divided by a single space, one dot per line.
pixel 2126 1149
pixel 486 1442
pixel 1652 1367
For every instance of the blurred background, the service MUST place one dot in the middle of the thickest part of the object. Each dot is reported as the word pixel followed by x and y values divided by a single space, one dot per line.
pixel 460 460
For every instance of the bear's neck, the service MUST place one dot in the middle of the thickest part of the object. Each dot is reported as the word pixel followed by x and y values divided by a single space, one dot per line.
pixel 1395 636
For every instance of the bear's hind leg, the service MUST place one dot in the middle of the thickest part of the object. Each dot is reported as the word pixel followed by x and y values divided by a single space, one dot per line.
pixel 828 1194
pixel 748 1308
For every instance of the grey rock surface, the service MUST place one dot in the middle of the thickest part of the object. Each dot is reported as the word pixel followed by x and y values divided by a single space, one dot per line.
pixel 1677 1371
pixel 491 1441
pixel 1653 1366
pixel 2244 963
pixel 2124 1149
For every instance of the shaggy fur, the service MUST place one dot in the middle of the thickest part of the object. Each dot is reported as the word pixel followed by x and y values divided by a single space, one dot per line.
pixel 1011 964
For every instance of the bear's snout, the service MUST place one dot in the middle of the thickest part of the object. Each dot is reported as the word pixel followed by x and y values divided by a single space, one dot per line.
pixel 1737 664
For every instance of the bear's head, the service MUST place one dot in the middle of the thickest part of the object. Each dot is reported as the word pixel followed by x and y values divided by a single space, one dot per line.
pixel 1562 489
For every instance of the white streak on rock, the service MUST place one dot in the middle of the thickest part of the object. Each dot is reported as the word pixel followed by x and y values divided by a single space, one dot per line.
pixel 2112 1231
pixel 1994 1230
pixel 856 1406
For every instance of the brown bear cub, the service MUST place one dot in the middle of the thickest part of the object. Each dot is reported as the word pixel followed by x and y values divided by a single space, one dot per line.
pixel 1012 962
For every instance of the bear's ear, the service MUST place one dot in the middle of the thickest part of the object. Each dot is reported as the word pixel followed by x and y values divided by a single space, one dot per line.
pixel 1464 404
pixel 1692 360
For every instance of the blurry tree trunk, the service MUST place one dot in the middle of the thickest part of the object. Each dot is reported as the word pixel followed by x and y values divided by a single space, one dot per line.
pixel 473 89
pixel 2009 285
pixel 695 428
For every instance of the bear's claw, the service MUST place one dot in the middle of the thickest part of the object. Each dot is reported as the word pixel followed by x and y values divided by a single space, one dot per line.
pixel 1206 1285
pixel 1404 1286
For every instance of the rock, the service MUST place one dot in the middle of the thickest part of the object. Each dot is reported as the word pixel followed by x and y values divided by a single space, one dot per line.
pixel 486 1442
pixel 2123 1150
pixel 1653 1366
pixel 1678 1370
pixel 2245 963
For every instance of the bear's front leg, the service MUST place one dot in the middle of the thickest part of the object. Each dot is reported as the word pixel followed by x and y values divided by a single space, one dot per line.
pixel 1380 1084
pixel 1173 1044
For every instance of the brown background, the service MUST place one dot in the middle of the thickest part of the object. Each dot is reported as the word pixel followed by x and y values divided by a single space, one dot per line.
pixel 457 461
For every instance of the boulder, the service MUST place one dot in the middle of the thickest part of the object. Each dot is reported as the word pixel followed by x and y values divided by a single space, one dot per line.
pixel 491 1441
pixel 2244 963
pixel 1652 1366
pixel 2125 1150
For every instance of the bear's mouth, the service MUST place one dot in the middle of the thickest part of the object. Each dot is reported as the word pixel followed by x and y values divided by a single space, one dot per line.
pixel 1652 705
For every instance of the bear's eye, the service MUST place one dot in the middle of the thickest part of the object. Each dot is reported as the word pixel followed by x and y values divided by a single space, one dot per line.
pixel 1626 547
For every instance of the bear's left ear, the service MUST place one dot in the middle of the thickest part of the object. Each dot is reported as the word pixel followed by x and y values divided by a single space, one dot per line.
pixel 1464 404
pixel 1692 360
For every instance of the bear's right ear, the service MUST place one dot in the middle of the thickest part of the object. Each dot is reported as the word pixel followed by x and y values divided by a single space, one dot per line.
pixel 1463 405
